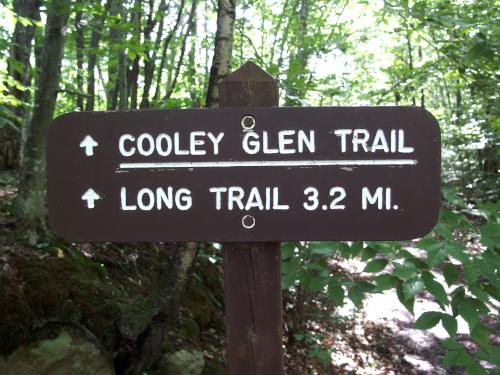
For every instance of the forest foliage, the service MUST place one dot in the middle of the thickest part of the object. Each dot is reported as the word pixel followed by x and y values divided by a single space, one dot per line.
pixel 139 54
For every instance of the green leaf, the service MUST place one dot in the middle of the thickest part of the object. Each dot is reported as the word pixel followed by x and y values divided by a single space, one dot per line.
pixel 355 294
pixel 336 294
pixel 356 248
pixel 345 250
pixel 288 280
pixel 368 253
pixel 408 303
pixel 450 358
pixel 428 242
pixel 463 358
pixel 404 271
pixel 467 309
pixel 477 290
pixel 322 248
pixel 481 335
pixel 476 369
pixel 291 266
pixel 457 251
pixel 494 356
pixel 428 320
pixel 375 265
pixel 385 282
pixel 450 194
pixel 315 284
pixel 451 344
pixel 450 273
pixel 412 287
pixel 490 234
pixel 450 324
pixel 436 255
pixel 435 288
pixel 288 249
pixel 470 273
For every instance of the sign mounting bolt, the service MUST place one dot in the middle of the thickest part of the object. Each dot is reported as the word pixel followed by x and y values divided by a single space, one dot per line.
pixel 248 123
pixel 88 143
pixel 248 221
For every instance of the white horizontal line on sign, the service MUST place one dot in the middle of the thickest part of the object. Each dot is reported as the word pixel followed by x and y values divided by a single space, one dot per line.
pixel 270 163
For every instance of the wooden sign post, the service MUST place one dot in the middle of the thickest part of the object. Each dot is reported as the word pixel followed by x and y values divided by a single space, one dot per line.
pixel 248 174
pixel 252 272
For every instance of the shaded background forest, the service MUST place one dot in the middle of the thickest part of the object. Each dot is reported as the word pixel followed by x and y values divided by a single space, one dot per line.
pixel 59 56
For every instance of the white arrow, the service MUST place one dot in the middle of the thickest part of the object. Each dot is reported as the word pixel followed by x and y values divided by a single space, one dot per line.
pixel 90 196
pixel 89 143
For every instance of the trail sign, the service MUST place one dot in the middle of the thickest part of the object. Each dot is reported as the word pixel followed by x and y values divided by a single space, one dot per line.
pixel 244 174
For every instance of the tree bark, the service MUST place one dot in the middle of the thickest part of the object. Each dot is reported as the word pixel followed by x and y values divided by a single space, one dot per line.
pixel 94 44
pixel 149 64
pixel 32 187
pixel 190 25
pixel 22 38
pixel 410 62
pixel 158 314
pixel 133 73
pixel 166 43
pixel 297 65
pixel 223 49
pixel 79 44
pixel 116 87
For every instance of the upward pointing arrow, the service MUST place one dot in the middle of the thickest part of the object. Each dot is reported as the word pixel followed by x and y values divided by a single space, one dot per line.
pixel 90 196
pixel 88 143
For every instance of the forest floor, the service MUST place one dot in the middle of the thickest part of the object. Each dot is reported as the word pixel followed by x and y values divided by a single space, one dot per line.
pixel 379 338
pixel 376 339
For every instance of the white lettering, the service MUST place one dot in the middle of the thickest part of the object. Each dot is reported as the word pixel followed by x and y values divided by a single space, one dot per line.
pixel 235 195
pixel 183 199
pixel 196 142
pixel 283 141
pixel 356 140
pixel 253 146
pixel 140 199
pixel 343 138
pixel 401 143
pixel 218 195
pixel 379 142
pixel 215 141
pixel 123 201
pixel 121 145
pixel 159 148
pixel 368 198
pixel 303 140
pixel 254 200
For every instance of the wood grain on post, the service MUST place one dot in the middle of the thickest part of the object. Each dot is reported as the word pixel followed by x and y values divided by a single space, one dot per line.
pixel 252 275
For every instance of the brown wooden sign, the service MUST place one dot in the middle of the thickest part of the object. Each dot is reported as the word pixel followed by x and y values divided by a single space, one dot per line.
pixel 244 174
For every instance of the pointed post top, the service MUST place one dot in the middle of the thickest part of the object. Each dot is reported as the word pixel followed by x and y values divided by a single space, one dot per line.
pixel 248 86
pixel 249 71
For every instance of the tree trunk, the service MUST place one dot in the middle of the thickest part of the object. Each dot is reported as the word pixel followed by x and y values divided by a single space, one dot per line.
pixel 166 43
pixel 410 63
pixel 190 26
pixel 158 314
pixel 32 188
pixel 94 44
pixel 296 81
pixel 22 38
pixel 223 49
pixel 79 44
pixel 149 64
pixel 133 73
pixel 117 61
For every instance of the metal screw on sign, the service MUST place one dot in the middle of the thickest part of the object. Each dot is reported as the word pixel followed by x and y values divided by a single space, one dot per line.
pixel 248 123
pixel 248 221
